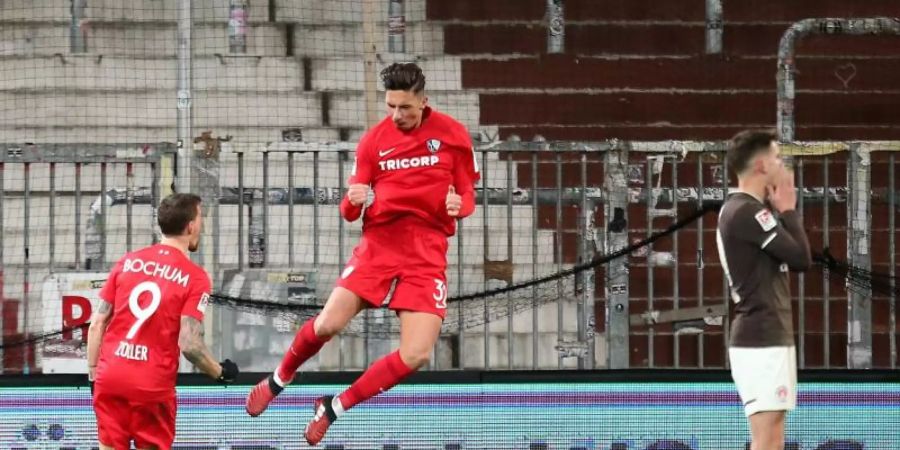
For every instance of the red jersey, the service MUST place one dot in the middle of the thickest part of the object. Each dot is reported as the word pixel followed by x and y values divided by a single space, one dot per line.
pixel 149 290
pixel 411 171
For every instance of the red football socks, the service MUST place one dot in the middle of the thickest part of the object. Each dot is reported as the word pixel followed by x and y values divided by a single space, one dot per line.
pixel 305 345
pixel 381 376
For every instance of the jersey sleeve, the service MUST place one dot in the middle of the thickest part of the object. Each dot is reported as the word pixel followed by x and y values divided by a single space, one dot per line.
pixel 468 160
pixel 465 187
pixel 197 296
pixel 465 171
pixel 108 292
pixel 364 163
pixel 361 173
pixel 782 239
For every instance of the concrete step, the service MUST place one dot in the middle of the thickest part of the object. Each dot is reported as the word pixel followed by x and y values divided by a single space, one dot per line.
pixel 139 39
pixel 36 10
pixel 139 134
pixel 348 109
pixel 211 109
pixel 346 39
pixel 156 109
pixel 167 10
pixel 301 11
pixel 90 72
pixel 33 39
pixel 330 73
pixel 136 10
pixel 159 39
pixel 315 11
pixel 110 73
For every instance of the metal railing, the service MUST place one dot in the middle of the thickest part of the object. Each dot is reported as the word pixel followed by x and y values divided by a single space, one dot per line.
pixel 542 208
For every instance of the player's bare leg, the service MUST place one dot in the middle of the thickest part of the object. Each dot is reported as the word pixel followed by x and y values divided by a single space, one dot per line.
pixel 767 430
pixel 419 332
pixel 341 307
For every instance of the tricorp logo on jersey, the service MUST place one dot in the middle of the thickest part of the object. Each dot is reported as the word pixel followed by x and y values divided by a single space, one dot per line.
pixel 409 163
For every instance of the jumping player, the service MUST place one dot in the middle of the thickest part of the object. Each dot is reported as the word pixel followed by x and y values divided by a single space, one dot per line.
pixel 151 306
pixel 421 166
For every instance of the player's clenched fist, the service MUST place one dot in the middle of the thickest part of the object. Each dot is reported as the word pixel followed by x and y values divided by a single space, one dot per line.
pixel 357 194
pixel 229 372
pixel 454 202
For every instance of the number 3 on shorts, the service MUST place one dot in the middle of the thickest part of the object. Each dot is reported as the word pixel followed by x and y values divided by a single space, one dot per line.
pixel 440 294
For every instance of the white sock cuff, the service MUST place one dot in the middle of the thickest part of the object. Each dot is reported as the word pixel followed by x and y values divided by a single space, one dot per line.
pixel 337 406
pixel 277 379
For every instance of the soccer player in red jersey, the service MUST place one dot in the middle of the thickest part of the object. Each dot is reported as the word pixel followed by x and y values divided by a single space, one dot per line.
pixel 421 167
pixel 151 306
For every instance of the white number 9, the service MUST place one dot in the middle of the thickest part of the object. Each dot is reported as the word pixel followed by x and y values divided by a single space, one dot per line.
pixel 142 314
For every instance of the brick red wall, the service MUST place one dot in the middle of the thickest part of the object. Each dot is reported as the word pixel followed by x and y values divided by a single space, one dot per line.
pixel 636 69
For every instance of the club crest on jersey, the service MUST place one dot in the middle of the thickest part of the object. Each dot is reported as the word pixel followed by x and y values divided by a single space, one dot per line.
pixel 765 219
pixel 204 300
pixel 433 145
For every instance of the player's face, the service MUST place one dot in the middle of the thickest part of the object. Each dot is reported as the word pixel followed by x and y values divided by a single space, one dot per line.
pixel 194 229
pixel 774 165
pixel 405 108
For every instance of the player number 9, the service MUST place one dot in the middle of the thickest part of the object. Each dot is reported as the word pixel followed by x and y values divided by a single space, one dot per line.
pixel 142 314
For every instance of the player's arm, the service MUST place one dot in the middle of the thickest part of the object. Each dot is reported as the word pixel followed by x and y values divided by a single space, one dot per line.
pixel 99 322
pixel 792 223
pixel 360 179
pixel 100 318
pixel 461 198
pixel 190 339
pixel 190 336
pixel 793 248
pixel 785 242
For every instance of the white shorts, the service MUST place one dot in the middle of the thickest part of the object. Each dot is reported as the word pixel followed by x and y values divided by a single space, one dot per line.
pixel 766 377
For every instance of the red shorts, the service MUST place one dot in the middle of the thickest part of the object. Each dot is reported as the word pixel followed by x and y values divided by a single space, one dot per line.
pixel 121 420
pixel 406 253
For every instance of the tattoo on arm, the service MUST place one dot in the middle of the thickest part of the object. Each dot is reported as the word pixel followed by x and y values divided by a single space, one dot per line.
pixel 105 307
pixel 191 339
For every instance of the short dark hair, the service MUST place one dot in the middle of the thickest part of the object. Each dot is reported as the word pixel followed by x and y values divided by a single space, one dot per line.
pixel 403 77
pixel 745 145
pixel 175 212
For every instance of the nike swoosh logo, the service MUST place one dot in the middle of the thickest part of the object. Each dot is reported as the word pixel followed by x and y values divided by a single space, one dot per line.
pixel 383 153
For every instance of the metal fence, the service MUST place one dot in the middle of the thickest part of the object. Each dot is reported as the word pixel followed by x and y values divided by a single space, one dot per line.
pixel 273 231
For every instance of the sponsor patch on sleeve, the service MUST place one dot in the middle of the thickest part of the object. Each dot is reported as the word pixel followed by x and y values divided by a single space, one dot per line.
pixel 766 219
pixel 204 300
